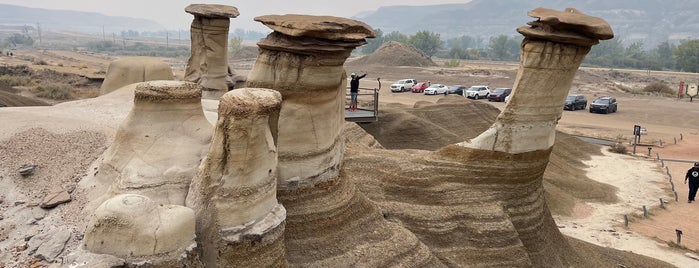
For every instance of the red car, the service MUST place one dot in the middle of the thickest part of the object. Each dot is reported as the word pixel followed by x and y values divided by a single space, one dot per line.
pixel 420 87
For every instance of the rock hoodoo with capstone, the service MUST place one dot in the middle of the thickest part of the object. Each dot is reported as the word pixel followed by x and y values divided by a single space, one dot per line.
pixel 303 59
pixel 208 62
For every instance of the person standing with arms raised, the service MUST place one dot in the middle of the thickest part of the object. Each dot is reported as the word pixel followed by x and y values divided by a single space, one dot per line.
pixel 354 90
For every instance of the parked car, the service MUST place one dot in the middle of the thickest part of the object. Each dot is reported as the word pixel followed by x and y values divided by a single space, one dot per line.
pixel 420 87
pixel 477 92
pixel 499 94
pixel 435 89
pixel 403 85
pixel 603 105
pixel 575 102
pixel 458 89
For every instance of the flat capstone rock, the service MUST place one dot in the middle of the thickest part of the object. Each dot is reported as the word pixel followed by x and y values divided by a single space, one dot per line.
pixel 325 27
pixel 212 11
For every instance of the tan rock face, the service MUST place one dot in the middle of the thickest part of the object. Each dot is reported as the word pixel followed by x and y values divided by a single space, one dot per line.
pixel 570 26
pixel 208 65
pixel 131 70
pixel 234 193
pixel 134 227
pixel 157 148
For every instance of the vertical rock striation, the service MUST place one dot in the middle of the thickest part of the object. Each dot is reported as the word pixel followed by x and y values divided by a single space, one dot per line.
pixel 239 221
pixel 159 145
pixel 329 223
pixel 208 62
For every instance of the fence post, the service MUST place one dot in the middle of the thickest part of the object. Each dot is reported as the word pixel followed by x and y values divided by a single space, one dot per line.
pixel 681 136
pixel 679 236
pixel 661 142
pixel 645 211
pixel 675 140
pixel 626 221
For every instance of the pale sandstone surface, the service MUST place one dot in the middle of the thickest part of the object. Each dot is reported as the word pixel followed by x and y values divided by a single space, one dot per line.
pixel 159 145
pixel 234 192
pixel 129 70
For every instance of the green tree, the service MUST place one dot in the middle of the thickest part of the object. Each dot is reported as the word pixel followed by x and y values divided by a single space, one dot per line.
pixel 503 47
pixel 396 36
pixel 687 56
pixel 607 53
pixel 20 39
pixel 374 43
pixel 661 57
pixel 428 42
pixel 234 45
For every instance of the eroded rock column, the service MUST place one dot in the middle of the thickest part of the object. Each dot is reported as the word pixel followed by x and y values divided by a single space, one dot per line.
pixel 208 62
pixel 553 49
pixel 239 221
pixel 158 147
pixel 329 224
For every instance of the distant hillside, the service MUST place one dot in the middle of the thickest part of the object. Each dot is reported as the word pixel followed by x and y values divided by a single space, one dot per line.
pixel 65 20
pixel 648 21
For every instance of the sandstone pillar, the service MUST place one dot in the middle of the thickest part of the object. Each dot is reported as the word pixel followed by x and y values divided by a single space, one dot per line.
pixel 208 62
pixel 239 221
pixel 553 49
pixel 158 146
pixel 329 224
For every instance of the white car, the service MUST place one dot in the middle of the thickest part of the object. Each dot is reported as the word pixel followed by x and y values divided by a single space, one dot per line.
pixel 435 89
pixel 477 92
pixel 403 85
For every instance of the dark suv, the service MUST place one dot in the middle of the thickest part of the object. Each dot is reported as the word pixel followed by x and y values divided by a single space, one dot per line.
pixel 575 102
pixel 603 105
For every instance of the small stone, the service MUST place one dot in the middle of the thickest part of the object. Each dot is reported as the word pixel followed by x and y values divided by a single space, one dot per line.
pixel 22 247
pixel 55 198
pixel 27 169
pixel 19 202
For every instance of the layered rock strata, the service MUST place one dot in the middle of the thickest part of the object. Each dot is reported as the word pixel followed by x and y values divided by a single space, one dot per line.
pixel 481 202
pixel 129 70
pixel 136 229
pixel 329 223
pixel 158 146
pixel 239 221
pixel 208 62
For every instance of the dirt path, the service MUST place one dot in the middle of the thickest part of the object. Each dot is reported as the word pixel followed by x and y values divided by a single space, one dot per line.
pixel 677 215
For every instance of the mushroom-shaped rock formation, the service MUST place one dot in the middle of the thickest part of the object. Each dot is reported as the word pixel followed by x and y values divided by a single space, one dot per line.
pixel 462 203
pixel 329 223
pixel 129 70
pixel 239 221
pixel 135 228
pixel 158 146
pixel 208 62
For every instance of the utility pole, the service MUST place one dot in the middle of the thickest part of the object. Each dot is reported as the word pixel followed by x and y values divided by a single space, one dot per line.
pixel 38 29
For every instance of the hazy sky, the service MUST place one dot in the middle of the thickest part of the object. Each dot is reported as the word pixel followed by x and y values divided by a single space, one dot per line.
pixel 170 13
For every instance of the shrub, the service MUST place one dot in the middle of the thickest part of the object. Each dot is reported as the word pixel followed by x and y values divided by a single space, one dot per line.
pixel 54 91
pixel 452 63
pixel 659 88
pixel 7 81
pixel 619 148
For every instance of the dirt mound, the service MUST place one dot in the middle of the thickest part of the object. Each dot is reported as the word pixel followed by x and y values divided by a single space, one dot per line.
pixel 395 54
pixel 430 126
pixel 13 100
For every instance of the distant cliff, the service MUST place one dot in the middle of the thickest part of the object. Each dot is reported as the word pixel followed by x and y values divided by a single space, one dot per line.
pixel 66 20
pixel 648 21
